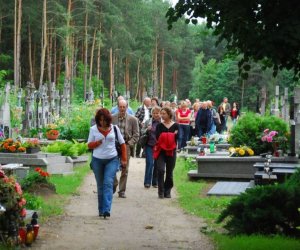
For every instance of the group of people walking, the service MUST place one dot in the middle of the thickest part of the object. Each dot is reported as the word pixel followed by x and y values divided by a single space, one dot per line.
pixel 166 126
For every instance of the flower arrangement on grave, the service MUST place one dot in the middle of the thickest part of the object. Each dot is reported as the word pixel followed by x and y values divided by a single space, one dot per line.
pixel 37 179
pixel 274 140
pixel 11 146
pixel 11 198
pixel 240 151
pixel 52 131
pixel 32 143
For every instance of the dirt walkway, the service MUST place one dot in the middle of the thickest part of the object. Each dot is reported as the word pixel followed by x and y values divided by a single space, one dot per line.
pixel 141 221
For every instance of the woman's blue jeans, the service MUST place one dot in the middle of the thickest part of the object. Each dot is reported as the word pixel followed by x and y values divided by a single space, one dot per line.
pixel 183 136
pixel 105 171
pixel 150 175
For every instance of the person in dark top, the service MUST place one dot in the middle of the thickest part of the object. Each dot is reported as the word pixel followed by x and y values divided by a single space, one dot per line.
pixel 203 120
pixel 150 129
pixel 165 152
pixel 222 126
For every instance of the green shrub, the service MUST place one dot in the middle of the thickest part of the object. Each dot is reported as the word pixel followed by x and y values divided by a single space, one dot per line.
pixel 272 209
pixel 249 130
pixel 33 202
pixel 72 149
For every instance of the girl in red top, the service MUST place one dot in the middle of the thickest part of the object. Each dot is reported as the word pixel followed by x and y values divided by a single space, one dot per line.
pixel 183 118
pixel 165 152
pixel 235 112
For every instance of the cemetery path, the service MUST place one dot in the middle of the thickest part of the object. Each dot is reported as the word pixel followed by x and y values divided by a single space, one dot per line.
pixel 141 221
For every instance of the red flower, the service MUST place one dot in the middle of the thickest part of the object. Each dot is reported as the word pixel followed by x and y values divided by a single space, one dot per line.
pixel 38 170
pixel 23 212
pixel 22 202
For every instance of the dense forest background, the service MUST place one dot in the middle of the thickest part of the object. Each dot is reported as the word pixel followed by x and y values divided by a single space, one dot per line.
pixel 122 47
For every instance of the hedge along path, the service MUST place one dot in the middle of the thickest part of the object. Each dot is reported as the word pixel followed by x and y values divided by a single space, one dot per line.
pixel 141 221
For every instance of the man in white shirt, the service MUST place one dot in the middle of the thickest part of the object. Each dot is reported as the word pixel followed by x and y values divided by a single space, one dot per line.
pixel 143 113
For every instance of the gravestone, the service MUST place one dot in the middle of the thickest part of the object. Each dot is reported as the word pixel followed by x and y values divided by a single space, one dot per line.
pixel 296 121
pixel 5 113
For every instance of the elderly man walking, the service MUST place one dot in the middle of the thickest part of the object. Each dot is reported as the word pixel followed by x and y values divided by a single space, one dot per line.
pixel 143 113
pixel 129 128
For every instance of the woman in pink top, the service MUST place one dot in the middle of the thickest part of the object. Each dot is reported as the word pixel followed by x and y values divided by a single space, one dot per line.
pixel 183 119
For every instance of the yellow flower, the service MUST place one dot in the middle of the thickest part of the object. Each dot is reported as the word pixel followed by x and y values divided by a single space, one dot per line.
pixel 231 150
pixel 241 152
pixel 250 151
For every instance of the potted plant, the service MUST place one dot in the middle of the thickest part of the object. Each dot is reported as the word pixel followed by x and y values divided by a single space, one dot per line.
pixel 12 146
pixel 52 132
pixel 32 146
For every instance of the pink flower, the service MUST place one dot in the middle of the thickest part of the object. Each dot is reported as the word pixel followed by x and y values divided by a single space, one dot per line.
pixel 266 130
pixel 273 133
pixel 2 174
pixel 269 138
pixel 18 188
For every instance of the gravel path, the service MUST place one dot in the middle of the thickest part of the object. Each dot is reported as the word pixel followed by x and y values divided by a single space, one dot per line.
pixel 141 221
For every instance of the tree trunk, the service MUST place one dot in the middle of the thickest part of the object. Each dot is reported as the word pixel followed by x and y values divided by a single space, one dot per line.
pixel 54 60
pixel 67 44
pixel 44 41
pixel 137 79
pixel 49 59
pixel 17 42
pixel 242 97
pixel 85 52
pixel 155 75
pixel 99 57
pixel 127 79
pixel 111 74
pixel 162 69
pixel 174 81
pixel 59 62
pixel 92 58
pixel 31 77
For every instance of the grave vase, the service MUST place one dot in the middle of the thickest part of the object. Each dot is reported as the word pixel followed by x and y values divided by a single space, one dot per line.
pixel 32 150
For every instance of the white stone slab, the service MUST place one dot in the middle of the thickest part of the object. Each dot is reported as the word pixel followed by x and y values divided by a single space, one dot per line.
pixel 229 188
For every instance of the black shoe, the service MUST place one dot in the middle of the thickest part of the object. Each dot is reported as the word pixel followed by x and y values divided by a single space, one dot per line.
pixel 106 214
pixel 160 196
pixel 167 195
pixel 122 195
pixel 147 185
pixel 101 214
pixel 155 186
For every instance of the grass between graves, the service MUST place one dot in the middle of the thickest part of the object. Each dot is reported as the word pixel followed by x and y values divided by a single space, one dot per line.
pixel 65 186
pixel 192 198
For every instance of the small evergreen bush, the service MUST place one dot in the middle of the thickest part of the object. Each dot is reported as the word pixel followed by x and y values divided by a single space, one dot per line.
pixel 249 130
pixel 272 209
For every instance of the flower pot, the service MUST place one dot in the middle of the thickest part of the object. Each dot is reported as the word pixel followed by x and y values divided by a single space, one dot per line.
pixel 34 150
pixel 52 136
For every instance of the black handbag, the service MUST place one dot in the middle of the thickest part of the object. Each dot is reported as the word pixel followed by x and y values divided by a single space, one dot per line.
pixel 117 144
pixel 144 139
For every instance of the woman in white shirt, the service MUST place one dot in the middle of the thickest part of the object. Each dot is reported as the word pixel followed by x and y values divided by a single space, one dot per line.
pixel 105 160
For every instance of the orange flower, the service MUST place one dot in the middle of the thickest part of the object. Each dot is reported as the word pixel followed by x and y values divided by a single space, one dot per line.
pixel 21 149
pixel 12 148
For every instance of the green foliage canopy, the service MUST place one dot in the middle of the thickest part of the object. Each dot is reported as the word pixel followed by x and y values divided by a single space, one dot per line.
pixel 265 31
